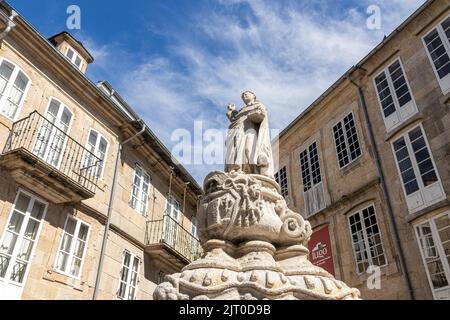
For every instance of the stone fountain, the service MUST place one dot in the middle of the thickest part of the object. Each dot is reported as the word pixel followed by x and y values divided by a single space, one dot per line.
pixel 255 246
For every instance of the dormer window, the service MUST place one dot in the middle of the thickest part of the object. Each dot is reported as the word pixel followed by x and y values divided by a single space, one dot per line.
pixel 74 58
pixel 72 49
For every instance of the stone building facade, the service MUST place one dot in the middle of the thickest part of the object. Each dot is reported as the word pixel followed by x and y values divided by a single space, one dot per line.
pixel 368 164
pixel 76 164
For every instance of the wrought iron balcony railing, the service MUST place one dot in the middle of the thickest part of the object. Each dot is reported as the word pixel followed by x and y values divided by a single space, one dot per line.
pixel 41 138
pixel 169 232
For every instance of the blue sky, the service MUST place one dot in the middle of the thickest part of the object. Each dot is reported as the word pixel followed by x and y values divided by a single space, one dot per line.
pixel 177 62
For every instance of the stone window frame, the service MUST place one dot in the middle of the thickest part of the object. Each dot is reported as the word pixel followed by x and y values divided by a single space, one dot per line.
pixel 411 104
pixel 346 140
pixel 54 128
pixel 99 137
pixel 417 173
pixel 439 250
pixel 9 86
pixel 74 57
pixel 127 282
pixel 313 186
pixel 367 245
pixel 79 222
pixel 139 199
pixel 33 198
pixel 444 84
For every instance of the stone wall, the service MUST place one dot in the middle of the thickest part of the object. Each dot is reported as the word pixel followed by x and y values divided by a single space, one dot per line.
pixel 349 188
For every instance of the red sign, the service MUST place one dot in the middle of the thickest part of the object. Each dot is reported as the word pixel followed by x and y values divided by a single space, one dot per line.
pixel 320 253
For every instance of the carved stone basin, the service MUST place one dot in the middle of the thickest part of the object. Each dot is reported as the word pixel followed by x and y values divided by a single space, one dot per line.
pixel 242 207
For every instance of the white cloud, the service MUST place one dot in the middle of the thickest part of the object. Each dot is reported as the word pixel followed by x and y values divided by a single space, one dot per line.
pixel 287 54
pixel 99 52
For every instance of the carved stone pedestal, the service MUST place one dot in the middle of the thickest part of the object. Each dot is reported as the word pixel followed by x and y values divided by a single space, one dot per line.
pixel 255 247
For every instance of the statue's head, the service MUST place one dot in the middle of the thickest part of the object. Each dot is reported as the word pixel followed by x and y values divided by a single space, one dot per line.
pixel 248 97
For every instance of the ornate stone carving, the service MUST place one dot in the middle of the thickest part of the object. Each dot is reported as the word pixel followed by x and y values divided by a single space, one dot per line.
pixel 255 246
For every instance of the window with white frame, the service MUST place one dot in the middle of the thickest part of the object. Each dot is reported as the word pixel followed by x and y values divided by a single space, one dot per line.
pixel 74 58
pixel 421 183
pixel 437 44
pixel 129 276
pixel 97 146
pixel 139 196
pixel 312 180
pixel 282 179
pixel 346 141
pixel 173 207
pixel 13 86
pixel 394 95
pixel 366 239
pixel 72 248
pixel 434 242
pixel 20 237
pixel 172 228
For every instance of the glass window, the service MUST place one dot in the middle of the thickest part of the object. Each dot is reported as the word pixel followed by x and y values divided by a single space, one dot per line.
pixel 13 83
pixel 97 146
pixel 437 45
pixel 173 207
pixel 346 141
pixel 72 248
pixel 312 179
pixel 20 236
pixel 6 70
pixel 366 239
pixel 139 196
pixel 434 241
pixel 129 275
pixel 78 62
pixel 52 137
pixel 70 54
pixel 74 58
pixel 416 168
pixel 282 180
pixel 394 95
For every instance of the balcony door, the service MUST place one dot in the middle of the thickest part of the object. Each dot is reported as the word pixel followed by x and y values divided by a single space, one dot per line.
pixel 434 242
pixel 53 133
pixel 18 244
pixel 171 226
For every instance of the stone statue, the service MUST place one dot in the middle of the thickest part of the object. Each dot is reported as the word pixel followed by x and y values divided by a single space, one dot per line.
pixel 255 247
pixel 248 140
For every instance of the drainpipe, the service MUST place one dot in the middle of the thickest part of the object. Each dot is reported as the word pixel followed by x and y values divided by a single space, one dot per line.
pixel 110 209
pixel 387 198
pixel 9 24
